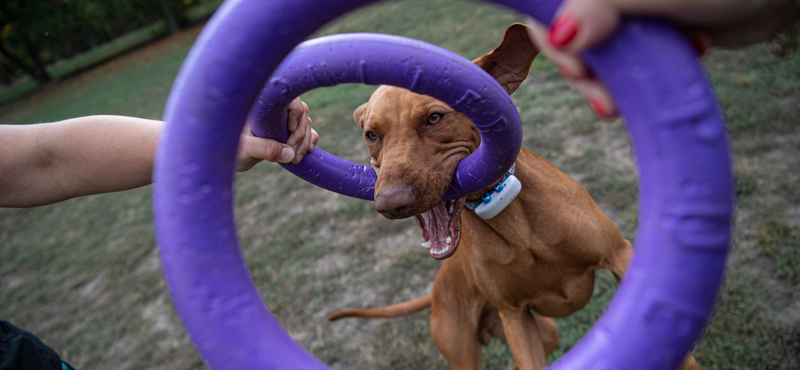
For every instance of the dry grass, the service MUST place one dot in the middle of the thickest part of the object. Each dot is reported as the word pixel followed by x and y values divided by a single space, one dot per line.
pixel 84 274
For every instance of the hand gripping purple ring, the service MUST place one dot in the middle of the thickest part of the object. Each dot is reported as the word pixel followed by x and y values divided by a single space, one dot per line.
pixel 677 129
pixel 392 60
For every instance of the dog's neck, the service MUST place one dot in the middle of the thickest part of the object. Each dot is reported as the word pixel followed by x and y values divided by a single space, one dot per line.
pixel 475 199
pixel 486 195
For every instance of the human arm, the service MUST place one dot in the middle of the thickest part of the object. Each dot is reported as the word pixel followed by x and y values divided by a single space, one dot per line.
pixel 47 163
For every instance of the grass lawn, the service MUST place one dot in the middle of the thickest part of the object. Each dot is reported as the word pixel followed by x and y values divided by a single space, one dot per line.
pixel 84 274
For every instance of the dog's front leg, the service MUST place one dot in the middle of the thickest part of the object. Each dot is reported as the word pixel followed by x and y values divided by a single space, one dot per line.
pixel 455 318
pixel 524 338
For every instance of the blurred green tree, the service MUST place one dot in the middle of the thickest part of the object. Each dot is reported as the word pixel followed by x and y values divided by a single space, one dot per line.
pixel 24 26
pixel 34 33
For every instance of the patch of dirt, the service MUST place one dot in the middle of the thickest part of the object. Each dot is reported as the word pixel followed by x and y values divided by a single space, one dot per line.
pixel 159 313
pixel 93 289
pixel 150 264
pixel 12 281
pixel 790 315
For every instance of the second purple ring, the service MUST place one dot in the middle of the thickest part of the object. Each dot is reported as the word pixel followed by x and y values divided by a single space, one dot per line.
pixel 376 59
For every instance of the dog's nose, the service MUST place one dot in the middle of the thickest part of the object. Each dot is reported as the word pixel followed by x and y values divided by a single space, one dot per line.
pixel 395 203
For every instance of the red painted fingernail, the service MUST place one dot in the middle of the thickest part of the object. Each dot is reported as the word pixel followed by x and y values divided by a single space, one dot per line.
pixel 563 31
pixel 699 47
pixel 599 108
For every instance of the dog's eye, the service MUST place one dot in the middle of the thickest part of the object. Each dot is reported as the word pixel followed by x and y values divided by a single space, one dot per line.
pixel 434 118
pixel 371 135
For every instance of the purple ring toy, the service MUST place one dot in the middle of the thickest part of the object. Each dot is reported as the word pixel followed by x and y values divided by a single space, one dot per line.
pixel 392 60
pixel 676 126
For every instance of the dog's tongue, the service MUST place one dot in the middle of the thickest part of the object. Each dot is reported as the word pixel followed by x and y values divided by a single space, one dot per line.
pixel 441 228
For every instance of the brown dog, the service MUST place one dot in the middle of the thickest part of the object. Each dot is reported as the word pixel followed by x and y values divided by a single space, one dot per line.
pixel 534 260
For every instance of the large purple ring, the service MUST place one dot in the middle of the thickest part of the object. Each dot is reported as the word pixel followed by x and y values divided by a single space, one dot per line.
pixel 678 134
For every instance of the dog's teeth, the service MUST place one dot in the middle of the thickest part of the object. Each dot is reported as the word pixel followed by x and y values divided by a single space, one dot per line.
pixel 448 240
pixel 427 244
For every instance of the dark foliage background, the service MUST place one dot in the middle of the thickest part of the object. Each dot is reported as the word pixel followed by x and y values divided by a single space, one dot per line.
pixel 42 40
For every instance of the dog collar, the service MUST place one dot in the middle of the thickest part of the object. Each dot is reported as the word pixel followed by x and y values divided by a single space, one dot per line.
pixel 498 198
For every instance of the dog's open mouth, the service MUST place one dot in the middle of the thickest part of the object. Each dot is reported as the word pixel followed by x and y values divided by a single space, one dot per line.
pixel 441 228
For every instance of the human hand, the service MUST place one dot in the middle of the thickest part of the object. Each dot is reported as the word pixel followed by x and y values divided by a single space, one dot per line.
pixel 303 139
pixel 580 24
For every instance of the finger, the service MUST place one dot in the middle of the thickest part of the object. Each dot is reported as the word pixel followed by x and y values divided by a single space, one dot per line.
pixel 597 95
pixel 296 109
pixel 569 64
pixel 573 69
pixel 314 140
pixel 296 138
pixel 581 23
pixel 255 149
pixel 305 143
pixel 306 147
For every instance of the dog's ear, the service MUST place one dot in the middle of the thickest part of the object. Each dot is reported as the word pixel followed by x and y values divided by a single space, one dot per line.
pixel 359 114
pixel 510 62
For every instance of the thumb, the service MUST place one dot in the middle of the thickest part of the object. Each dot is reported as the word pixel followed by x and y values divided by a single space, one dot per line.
pixel 254 149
